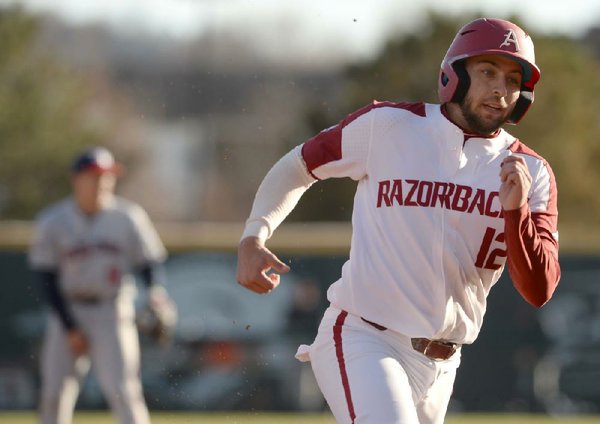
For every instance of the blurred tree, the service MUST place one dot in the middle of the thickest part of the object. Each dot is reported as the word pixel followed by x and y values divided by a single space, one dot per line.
pixel 47 113
pixel 563 125
pixel 405 70
pixel 591 39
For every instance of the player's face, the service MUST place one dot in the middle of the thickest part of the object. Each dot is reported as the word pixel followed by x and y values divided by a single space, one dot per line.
pixel 493 92
pixel 92 189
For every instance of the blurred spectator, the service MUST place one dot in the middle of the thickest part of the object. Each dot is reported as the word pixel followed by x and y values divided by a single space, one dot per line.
pixel 304 316
pixel 302 322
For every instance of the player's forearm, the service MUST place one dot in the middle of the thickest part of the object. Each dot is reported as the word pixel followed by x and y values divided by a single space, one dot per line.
pixel 278 194
pixel 49 281
pixel 532 256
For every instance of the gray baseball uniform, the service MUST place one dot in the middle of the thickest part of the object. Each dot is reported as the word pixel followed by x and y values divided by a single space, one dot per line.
pixel 94 257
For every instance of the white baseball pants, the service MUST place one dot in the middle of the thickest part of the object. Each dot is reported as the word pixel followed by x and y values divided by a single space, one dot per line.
pixel 372 376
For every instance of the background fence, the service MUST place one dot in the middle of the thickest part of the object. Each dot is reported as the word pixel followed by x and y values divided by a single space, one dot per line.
pixel 234 349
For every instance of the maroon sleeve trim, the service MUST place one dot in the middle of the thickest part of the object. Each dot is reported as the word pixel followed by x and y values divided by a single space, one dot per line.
pixel 326 146
pixel 532 254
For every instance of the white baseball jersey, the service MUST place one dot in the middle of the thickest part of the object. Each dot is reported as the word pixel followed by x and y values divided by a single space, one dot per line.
pixel 94 256
pixel 428 227
pixel 429 236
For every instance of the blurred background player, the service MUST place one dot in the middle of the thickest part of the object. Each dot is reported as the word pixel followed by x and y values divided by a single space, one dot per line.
pixel 445 199
pixel 84 251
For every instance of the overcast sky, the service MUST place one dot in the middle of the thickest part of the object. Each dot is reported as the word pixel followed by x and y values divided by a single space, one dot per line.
pixel 310 24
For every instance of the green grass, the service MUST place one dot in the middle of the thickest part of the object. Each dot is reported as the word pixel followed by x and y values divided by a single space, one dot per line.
pixel 290 418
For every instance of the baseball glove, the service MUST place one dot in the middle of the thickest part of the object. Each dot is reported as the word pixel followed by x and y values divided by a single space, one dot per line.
pixel 158 317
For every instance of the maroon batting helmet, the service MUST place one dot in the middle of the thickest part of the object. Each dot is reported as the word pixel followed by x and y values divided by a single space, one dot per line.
pixel 488 36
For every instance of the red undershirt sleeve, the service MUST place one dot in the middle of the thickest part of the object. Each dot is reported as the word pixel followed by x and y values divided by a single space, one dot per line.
pixel 532 254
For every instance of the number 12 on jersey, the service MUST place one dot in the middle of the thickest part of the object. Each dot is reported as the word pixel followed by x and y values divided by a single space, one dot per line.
pixel 485 258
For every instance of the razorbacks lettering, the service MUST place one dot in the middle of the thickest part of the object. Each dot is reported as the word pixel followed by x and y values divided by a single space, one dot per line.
pixel 456 197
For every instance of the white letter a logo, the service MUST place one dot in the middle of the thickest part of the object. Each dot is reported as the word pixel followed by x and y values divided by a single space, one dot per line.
pixel 510 37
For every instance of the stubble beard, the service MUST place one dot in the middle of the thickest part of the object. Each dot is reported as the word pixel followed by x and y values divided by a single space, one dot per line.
pixel 476 123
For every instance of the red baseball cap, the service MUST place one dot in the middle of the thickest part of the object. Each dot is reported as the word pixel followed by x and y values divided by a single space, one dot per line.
pixel 97 159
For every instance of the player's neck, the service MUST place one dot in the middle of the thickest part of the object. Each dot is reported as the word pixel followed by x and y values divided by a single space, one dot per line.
pixel 89 210
pixel 92 206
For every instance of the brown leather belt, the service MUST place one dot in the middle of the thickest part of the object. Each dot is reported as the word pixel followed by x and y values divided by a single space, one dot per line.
pixel 434 349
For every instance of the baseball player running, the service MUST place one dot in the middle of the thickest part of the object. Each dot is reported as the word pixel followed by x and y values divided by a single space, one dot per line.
pixel 445 199
pixel 84 250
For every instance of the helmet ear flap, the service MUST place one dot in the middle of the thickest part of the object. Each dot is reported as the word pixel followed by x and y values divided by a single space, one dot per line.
pixel 523 103
pixel 464 81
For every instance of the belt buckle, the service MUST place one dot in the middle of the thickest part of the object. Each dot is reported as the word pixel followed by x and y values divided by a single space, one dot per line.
pixel 426 349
